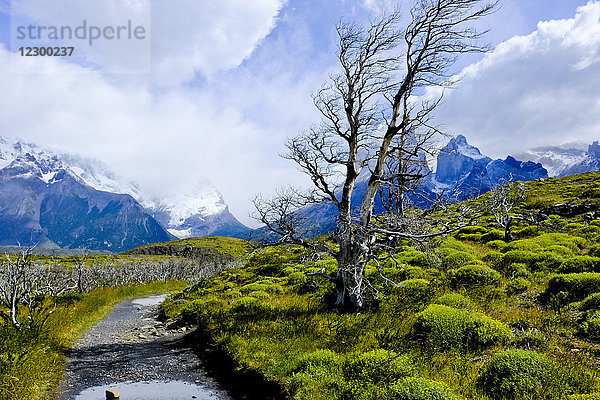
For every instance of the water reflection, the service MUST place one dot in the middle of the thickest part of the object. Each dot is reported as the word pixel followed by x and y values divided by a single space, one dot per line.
pixel 153 390
pixel 148 301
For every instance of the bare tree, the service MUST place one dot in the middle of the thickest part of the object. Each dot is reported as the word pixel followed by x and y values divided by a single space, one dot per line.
pixel 23 284
pixel 369 114
pixel 501 201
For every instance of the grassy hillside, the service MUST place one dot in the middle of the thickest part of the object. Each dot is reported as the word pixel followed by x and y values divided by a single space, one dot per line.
pixel 223 245
pixel 476 318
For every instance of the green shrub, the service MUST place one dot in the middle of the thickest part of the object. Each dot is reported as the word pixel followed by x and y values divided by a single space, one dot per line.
pixel 520 374
pixel 517 286
pixel 545 241
pixel 412 256
pixel 580 264
pixel 591 396
pixel 287 271
pixel 590 328
pixel 475 275
pixel 497 244
pixel 562 251
pixel 318 375
pixel 470 237
pixel 547 261
pixel 421 389
pixel 493 236
pixel 377 366
pixel 517 270
pixel 318 359
pixel 455 300
pixel 264 285
pixel 260 294
pixel 493 258
pixel 472 229
pixel 574 286
pixel 592 302
pixel 246 303
pixel 518 256
pixel 446 328
pixel 297 278
pixel 416 289
pixel 196 310
pixel 413 273
pixel 457 258
pixel 528 231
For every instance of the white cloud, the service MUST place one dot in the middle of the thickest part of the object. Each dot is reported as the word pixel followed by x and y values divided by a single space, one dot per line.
pixel 162 141
pixel 187 37
pixel 539 89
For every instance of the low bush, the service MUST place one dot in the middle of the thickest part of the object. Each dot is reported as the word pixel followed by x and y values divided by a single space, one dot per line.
pixel 421 389
pixel 492 236
pixel 591 396
pixel 493 258
pixel 590 328
pixel 456 258
pixel 518 256
pixel 455 300
pixel 377 366
pixel 475 275
pixel 517 271
pixel 580 264
pixel 497 244
pixel 264 285
pixel 472 229
pixel 573 286
pixel 547 261
pixel 323 374
pixel 412 273
pixel 316 360
pixel 415 291
pixel 520 374
pixel 545 241
pixel 592 302
pixel 526 232
pixel 444 328
pixel 297 278
pixel 517 286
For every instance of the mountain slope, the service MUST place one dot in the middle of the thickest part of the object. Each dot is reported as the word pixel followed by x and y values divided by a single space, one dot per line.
pixel 565 160
pixel 42 203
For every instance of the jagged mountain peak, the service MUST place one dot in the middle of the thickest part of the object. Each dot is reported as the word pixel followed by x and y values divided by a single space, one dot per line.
pixel 566 159
pixel 460 145
pixel 594 149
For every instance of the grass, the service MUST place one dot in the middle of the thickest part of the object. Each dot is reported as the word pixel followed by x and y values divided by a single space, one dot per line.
pixel 31 363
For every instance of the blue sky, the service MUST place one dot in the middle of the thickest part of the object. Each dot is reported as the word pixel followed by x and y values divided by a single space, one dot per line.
pixel 228 81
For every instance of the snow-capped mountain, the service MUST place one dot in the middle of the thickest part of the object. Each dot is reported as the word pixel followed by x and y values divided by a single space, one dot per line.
pixel 462 172
pixel 198 211
pixel 568 159
pixel 43 202
pixel 463 169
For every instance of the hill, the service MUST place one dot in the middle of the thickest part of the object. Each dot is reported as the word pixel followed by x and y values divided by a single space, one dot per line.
pixel 474 317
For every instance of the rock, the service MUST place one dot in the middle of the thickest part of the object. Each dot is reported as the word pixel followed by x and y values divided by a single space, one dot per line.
pixel 112 394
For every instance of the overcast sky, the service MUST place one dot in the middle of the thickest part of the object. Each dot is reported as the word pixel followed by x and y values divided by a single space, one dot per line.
pixel 217 86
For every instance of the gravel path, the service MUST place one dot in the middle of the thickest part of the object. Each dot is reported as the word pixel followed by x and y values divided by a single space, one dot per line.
pixel 129 346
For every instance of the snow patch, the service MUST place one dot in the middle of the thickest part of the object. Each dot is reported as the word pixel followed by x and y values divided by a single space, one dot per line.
pixel 181 233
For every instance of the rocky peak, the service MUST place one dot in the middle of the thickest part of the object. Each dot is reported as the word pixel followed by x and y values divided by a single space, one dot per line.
pixel 594 149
